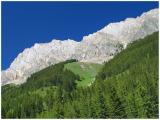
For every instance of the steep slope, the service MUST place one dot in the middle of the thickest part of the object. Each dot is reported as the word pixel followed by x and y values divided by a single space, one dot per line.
pixel 86 71
pixel 131 79
pixel 97 47
pixel 131 90
pixel 126 87
pixel 124 60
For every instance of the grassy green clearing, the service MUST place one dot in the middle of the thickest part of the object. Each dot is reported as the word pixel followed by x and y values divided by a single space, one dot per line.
pixel 86 71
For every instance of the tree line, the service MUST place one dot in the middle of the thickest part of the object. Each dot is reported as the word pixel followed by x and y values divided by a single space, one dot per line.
pixel 126 87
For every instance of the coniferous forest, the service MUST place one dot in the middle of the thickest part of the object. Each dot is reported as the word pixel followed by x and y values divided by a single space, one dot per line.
pixel 125 87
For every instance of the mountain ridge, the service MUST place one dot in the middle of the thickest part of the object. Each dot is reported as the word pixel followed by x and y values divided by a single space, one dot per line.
pixel 97 47
pixel 125 87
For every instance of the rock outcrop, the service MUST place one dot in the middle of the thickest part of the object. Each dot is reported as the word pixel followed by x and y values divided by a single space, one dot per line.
pixel 98 47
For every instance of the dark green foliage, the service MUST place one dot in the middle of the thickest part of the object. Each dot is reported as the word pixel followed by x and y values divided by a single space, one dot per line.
pixel 25 100
pixel 103 113
pixel 132 80
pixel 126 87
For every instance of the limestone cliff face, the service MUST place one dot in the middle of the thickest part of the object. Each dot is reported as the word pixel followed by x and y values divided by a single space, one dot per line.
pixel 105 43
pixel 98 47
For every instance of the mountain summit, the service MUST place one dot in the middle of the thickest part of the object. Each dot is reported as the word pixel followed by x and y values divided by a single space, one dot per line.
pixel 97 47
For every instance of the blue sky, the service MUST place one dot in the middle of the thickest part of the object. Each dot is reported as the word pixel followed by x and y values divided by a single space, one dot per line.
pixel 26 23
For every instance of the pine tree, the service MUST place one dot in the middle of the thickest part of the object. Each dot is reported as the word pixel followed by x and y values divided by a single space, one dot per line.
pixel 117 105
pixel 103 112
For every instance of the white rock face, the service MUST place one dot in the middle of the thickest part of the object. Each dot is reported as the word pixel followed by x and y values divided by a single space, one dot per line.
pixel 97 47
pixel 36 58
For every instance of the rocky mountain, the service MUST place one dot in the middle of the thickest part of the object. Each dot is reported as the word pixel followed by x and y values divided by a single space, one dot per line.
pixel 97 47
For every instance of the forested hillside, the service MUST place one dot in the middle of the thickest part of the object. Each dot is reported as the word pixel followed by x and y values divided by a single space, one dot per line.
pixel 125 87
